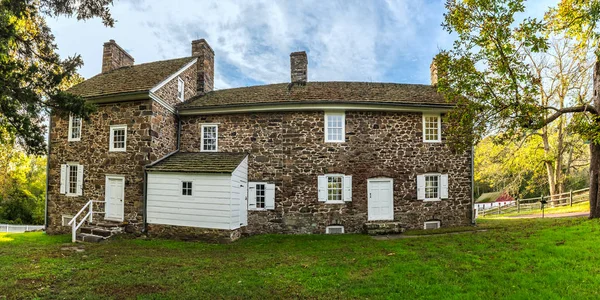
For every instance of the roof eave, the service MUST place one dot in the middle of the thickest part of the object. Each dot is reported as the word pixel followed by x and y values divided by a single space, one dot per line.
pixel 119 97
pixel 315 106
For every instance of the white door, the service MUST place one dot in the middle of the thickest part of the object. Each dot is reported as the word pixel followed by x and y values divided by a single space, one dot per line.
pixel 381 199
pixel 244 203
pixel 114 196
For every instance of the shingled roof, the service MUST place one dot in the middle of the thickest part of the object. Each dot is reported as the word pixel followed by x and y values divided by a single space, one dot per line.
pixel 136 78
pixel 200 162
pixel 313 92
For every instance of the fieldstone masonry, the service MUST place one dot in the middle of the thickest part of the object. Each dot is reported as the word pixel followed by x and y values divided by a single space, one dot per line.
pixel 288 149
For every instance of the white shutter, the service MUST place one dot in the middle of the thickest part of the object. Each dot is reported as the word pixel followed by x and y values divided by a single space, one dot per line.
pixel 421 187
pixel 444 186
pixel 79 180
pixel 322 186
pixel 269 196
pixel 252 196
pixel 63 179
pixel 348 188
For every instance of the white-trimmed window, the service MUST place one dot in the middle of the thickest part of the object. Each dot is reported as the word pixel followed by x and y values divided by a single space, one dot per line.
pixel 209 141
pixel 74 128
pixel 431 225
pixel 335 188
pixel 432 187
pixel 335 127
pixel 186 188
pixel 432 128
pixel 118 138
pixel 334 229
pixel 261 196
pixel 180 89
pixel 71 179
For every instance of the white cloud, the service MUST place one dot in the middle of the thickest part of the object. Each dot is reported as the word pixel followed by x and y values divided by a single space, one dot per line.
pixel 345 40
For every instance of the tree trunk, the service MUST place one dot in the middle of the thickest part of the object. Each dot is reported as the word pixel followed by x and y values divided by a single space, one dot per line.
pixel 594 180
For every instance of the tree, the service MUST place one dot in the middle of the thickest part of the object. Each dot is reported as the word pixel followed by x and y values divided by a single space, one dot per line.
pixel 32 75
pixel 497 91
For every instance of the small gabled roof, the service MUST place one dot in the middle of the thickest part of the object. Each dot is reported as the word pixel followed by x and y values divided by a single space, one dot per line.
pixel 136 78
pixel 501 196
pixel 320 92
pixel 200 162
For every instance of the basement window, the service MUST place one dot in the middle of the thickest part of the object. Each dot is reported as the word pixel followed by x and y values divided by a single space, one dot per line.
pixel 334 229
pixel 431 225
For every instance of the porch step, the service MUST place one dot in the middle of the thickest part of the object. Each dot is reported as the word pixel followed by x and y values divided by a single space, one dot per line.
pixel 90 238
pixel 101 231
pixel 377 228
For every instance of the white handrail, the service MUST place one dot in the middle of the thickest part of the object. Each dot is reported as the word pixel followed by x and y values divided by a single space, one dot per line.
pixel 88 216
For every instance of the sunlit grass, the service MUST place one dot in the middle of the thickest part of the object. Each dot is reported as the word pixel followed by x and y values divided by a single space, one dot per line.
pixel 518 259
pixel 5 238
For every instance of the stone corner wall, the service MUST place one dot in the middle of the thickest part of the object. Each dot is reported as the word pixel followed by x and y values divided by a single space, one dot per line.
pixel 168 92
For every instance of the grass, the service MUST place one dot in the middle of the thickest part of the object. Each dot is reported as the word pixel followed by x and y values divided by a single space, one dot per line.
pixel 577 207
pixel 519 259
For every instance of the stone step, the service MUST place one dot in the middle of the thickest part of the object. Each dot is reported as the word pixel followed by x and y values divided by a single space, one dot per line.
pixel 107 224
pixel 377 228
pixel 101 231
pixel 89 238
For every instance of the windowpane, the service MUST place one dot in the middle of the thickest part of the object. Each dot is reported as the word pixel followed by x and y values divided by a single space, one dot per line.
pixel 209 138
pixel 180 89
pixel 75 127
pixel 432 186
pixel 260 196
pixel 186 188
pixel 335 128
pixel 334 188
pixel 431 127
pixel 72 179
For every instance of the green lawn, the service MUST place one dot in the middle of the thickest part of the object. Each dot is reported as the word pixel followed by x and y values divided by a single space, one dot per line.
pixel 519 259
pixel 577 207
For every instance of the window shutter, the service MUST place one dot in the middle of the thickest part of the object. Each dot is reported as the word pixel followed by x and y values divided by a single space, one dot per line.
pixel 79 180
pixel 421 187
pixel 63 179
pixel 444 186
pixel 269 196
pixel 348 188
pixel 252 196
pixel 322 186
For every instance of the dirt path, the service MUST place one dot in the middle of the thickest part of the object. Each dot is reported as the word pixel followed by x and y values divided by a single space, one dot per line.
pixel 562 215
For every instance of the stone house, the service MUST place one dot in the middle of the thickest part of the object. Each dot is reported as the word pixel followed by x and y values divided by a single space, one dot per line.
pixel 167 155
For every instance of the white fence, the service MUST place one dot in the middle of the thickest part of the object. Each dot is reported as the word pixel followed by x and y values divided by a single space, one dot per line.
pixel 19 228
pixel 534 204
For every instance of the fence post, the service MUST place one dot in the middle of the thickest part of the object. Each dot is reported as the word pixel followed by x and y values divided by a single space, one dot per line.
pixel 571 197
pixel 518 206
pixel 541 200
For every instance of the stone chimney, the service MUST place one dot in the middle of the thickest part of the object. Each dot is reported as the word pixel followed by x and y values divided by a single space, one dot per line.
pixel 114 57
pixel 205 67
pixel 433 73
pixel 299 67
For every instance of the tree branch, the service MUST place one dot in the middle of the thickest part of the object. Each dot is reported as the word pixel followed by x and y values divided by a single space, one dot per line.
pixel 566 110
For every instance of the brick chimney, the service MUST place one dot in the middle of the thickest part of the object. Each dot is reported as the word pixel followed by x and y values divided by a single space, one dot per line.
pixel 114 57
pixel 299 67
pixel 205 67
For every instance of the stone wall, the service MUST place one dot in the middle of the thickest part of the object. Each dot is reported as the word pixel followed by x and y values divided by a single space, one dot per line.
pixel 193 233
pixel 163 130
pixel 288 149
pixel 92 152
pixel 168 92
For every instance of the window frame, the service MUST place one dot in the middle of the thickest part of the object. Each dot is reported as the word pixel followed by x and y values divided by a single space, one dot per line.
pixel 439 128
pixel 341 201
pixel 111 145
pixel 438 188
pixel 438 223
pixel 70 137
pixel 327 115
pixel 264 195
pixel 202 127
pixel 328 229
pixel 68 179
pixel 190 188
pixel 180 87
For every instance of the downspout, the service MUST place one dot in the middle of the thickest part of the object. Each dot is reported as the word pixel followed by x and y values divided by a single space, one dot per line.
pixel 145 230
pixel 473 221
pixel 47 173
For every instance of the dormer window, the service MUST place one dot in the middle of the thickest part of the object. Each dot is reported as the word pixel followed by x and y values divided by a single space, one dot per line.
pixel 432 128
pixel 180 89
pixel 74 128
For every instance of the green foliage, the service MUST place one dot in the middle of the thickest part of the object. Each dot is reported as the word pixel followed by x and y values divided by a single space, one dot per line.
pixel 32 74
pixel 514 259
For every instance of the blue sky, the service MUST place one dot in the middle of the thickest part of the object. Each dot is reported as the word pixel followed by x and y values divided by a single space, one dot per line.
pixel 378 41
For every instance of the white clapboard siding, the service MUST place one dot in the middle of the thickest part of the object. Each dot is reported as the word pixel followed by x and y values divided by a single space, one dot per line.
pixel 239 190
pixel 208 207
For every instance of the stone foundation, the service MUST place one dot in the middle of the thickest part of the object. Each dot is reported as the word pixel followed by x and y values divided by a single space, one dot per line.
pixel 193 233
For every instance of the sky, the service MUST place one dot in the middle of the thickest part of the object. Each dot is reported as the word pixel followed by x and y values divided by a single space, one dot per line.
pixel 373 41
